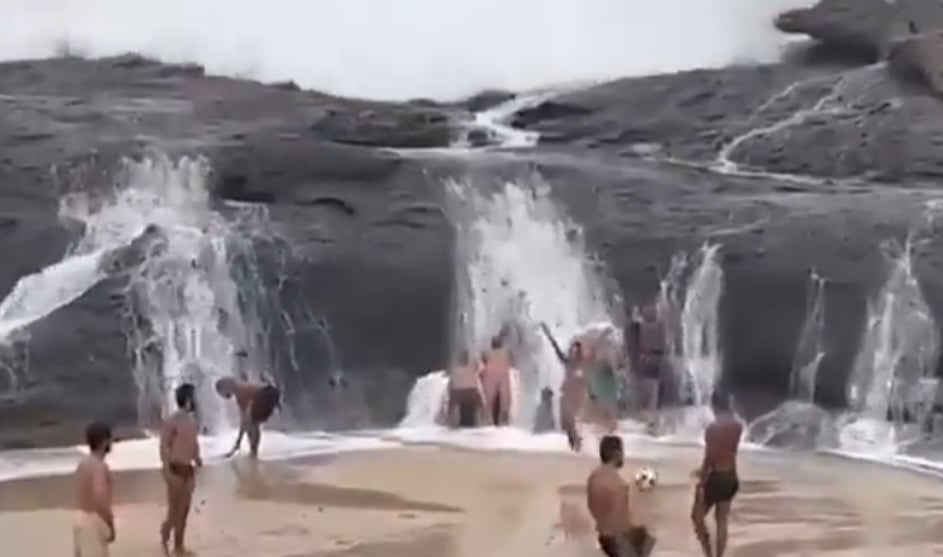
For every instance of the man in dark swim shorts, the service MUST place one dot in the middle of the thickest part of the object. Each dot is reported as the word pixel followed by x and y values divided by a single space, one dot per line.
pixel 465 399
pixel 717 477
pixel 607 496
pixel 257 402
pixel 648 345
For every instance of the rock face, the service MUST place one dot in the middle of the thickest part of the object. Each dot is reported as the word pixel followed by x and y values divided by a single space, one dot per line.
pixel 790 167
pixel 919 56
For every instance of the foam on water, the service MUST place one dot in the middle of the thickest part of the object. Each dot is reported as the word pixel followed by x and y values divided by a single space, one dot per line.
pixel 408 48
pixel 143 454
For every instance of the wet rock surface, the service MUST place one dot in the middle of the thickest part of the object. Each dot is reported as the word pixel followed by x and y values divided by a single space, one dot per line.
pixel 810 163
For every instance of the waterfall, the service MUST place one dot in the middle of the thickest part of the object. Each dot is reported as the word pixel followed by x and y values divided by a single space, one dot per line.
pixel 701 356
pixel 899 347
pixel 810 349
pixel 183 314
pixel 520 262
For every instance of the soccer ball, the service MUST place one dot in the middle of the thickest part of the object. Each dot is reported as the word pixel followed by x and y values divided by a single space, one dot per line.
pixel 645 479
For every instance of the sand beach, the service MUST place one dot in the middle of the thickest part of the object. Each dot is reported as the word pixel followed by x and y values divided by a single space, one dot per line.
pixel 435 501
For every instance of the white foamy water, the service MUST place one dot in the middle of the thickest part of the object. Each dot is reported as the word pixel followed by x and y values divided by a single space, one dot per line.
pixel 144 454
pixel 183 313
pixel 36 296
pixel 521 261
pixel 408 48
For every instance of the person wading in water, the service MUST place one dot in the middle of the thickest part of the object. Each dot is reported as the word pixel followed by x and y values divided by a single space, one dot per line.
pixel 647 344
pixel 496 382
pixel 465 397
pixel 574 391
pixel 257 402
pixel 717 481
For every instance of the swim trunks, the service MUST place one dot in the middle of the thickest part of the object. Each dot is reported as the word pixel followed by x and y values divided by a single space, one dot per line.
pixel 720 487
pixel 651 363
pixel 264 404
pixel 638 542
pixel 89 535
pixel 467 402
pixel 183 471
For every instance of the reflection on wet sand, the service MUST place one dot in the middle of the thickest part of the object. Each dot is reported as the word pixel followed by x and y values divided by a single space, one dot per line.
pixel 435 502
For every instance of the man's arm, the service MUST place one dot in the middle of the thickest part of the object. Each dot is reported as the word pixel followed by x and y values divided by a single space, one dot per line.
pixel 101 491
pixel 166 441
pixel 553 342
pixel 242 431
pixel 705 467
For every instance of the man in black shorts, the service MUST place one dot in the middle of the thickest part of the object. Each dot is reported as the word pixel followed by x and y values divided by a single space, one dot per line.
pixel 717 476
pixel 607 496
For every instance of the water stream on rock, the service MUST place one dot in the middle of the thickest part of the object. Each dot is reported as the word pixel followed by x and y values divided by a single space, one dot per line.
pixel 183 315
pixel 519 262
pixel 798 422
pixel 689 302
pixel 810 349
pixel 896 358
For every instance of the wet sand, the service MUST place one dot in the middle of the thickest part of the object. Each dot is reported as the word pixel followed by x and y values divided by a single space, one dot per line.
pixel 428 501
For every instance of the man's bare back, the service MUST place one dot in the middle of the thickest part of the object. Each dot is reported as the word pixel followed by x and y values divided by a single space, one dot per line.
pixel 94 524
pixel 718 482
pixel 179 438
pixel 607 496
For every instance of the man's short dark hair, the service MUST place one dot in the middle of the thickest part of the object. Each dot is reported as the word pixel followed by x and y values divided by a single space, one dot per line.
pixel 185 394
pixel 609 447
pixel 720 401
pixel 97 434
pixel 497 342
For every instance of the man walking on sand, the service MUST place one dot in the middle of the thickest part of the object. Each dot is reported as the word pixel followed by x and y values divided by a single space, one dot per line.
pixel 607 496
pixel 257 402
pixel 717 476
pixel 180 457
pixel 93 526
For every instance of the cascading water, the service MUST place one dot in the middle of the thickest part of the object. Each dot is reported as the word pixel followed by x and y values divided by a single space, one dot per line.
pixel 898 351
pixel 810 351
pixel 519 261
pixel 185 321
pixel 691 310
pixel 799 422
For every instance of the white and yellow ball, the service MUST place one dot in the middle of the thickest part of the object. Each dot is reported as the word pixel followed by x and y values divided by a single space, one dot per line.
pixel 646 479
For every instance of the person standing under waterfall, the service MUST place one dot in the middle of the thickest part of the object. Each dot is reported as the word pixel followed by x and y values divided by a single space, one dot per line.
pixel 717 480
pixel 574 391
pixel 257 402
pixel 465 393
pixel 93 526
pixel 496 382
pixel 180 457
pixel 647 345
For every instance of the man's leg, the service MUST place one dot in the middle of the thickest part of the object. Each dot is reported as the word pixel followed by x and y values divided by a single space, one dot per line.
pixel 254 432
pixel 698 515
pixel 183 513
pixel 171 520
pixel 722 516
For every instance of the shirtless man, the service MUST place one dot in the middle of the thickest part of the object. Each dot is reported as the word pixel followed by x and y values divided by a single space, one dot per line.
pixel 717 477
pixel 496 382
pixel 93 527
pixel 648 350
pixel 607 496
pixel 465 396
pixel 180 456
pixel 256 402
